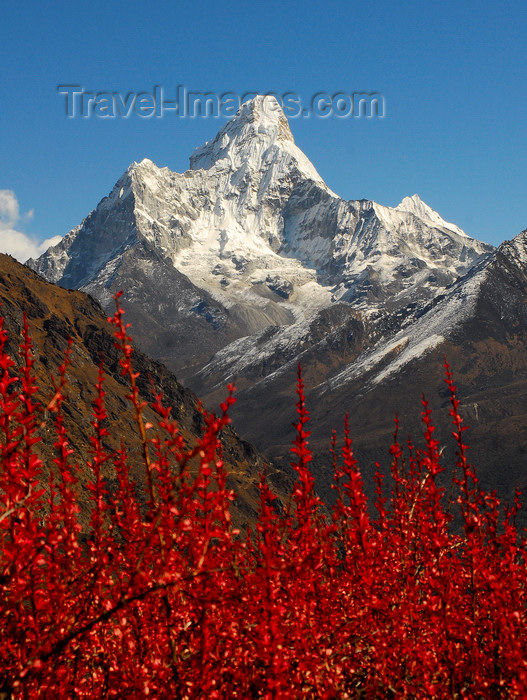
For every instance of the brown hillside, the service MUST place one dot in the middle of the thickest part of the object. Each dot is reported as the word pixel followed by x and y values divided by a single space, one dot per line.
pixel 54 316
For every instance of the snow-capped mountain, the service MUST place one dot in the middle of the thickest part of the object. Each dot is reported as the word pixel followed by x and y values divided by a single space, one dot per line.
pixel 251 238
pixel 247 264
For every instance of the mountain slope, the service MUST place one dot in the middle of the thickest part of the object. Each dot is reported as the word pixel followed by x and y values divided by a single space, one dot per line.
pixel 55 315
pixel 480 324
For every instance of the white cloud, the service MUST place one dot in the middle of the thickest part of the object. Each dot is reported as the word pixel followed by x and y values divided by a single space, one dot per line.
pixel 48 243
pixel 15 242
pixel 8 206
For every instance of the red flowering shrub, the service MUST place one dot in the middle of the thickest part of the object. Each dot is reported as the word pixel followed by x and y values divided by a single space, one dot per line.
pixel 169 600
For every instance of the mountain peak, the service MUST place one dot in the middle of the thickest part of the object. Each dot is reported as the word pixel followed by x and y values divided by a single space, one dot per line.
pixel 516 249
pixel 257 132
pixel 266 113
pixel 145 163
pixel 415 205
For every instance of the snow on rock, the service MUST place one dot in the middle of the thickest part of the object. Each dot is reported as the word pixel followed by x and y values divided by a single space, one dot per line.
pixel 415 205
pixel 259 135
pixel 253 225
pixel 421 336
pixel 516 249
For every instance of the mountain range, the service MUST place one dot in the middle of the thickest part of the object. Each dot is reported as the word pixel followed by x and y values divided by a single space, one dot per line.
pixel 247 264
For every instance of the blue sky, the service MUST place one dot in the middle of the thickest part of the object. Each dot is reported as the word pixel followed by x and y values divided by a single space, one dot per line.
pixel 452 75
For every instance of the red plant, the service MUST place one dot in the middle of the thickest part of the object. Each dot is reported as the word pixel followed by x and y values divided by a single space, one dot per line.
pixel 168 599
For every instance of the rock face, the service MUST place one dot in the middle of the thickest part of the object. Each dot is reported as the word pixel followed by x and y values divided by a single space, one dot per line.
pixel 248 263
pixel 55 315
